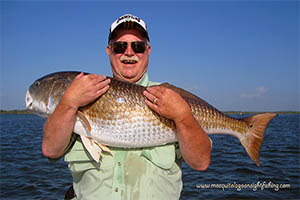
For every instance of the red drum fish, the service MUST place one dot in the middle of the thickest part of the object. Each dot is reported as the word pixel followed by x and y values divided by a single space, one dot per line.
pixel 120 117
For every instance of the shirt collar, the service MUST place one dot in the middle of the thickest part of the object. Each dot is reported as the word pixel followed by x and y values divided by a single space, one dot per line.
pixel 144 81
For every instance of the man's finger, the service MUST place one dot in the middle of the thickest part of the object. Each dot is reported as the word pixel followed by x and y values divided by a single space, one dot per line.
pixel 103 84
pixel 79 75
pixel 149 96
pixel 156 91
pixel 151 105
pixel 102 90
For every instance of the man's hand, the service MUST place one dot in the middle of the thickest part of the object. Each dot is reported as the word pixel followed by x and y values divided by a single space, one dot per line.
pixel 59 126
pixel 194 143
pixel 168 103
pixel 84 89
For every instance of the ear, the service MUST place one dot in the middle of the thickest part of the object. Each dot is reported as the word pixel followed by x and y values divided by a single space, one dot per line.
pixel 149 49
pixel 108 50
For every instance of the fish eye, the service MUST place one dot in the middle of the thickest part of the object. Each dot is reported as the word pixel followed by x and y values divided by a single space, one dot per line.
pixel 37 83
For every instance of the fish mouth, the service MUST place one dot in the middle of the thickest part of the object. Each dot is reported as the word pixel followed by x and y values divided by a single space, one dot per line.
pixel 28 100
pixel 33 108
pixel 129 60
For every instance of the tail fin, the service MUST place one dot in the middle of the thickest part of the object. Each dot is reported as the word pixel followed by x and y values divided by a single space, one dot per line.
pixel 257 127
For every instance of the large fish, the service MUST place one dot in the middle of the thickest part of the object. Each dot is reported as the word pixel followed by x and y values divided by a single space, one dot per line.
pixel 120 117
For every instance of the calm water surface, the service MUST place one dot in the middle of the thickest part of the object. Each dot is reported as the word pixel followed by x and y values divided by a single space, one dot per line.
pixel 26 174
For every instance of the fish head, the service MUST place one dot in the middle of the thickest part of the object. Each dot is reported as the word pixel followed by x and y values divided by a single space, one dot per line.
pixel 44 94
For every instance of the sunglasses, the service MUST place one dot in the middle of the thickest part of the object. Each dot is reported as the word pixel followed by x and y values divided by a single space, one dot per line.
pixel 137 46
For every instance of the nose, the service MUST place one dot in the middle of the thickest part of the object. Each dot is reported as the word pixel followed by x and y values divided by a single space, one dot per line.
pixel 28 100
pixel 129 51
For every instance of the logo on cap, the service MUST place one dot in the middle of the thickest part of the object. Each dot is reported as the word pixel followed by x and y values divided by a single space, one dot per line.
pixel 129 17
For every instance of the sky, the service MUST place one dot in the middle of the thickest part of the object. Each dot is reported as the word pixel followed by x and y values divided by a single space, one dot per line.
pixel 236 55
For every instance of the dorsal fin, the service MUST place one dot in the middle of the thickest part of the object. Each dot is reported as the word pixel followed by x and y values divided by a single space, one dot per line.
pixel 185 94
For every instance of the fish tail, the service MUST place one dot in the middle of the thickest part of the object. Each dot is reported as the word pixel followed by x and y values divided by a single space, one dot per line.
pixel 257 127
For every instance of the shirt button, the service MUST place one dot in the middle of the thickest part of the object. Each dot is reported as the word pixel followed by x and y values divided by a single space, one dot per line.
pixel 119 163
pixel 116 189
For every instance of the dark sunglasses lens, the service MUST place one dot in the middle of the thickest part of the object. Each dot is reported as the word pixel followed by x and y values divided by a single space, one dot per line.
pixel 119 47
pixel 138 46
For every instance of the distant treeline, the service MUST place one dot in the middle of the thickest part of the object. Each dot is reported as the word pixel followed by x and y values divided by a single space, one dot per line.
pixel 253 112
pixel 226 112
pixel 14 112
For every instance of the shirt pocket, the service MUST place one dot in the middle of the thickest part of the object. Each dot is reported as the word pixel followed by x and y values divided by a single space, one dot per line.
pixel 79 159
pixel 162 156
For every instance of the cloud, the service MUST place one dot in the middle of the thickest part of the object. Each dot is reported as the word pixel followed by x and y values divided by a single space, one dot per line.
pixel 259 91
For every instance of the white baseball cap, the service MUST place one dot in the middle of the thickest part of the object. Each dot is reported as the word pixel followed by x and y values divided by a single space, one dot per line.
pixel 128 21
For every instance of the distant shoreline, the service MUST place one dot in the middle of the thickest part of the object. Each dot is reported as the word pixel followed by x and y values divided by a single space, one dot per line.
pixel 14 112
pixel 226 112
pixel 253 112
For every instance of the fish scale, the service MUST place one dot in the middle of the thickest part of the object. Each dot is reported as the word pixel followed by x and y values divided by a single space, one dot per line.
pixel 120 117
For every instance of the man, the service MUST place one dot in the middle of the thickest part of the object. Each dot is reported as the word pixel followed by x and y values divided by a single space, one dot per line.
pixel 145 173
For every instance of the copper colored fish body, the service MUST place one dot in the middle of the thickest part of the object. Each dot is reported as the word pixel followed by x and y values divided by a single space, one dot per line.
pixel 120 117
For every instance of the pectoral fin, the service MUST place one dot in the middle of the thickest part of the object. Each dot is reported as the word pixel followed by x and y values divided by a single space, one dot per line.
pixel 94 150
pixel 103 147
pixel 84 121
pixel 92 146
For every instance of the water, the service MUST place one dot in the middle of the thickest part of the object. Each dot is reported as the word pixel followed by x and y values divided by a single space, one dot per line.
pixel 26 174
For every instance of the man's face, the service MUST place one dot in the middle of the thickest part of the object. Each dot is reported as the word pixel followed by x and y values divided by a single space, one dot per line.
pixel 129 65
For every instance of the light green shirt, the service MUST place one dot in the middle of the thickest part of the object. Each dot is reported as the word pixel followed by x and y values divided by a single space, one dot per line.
pixel 145 173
